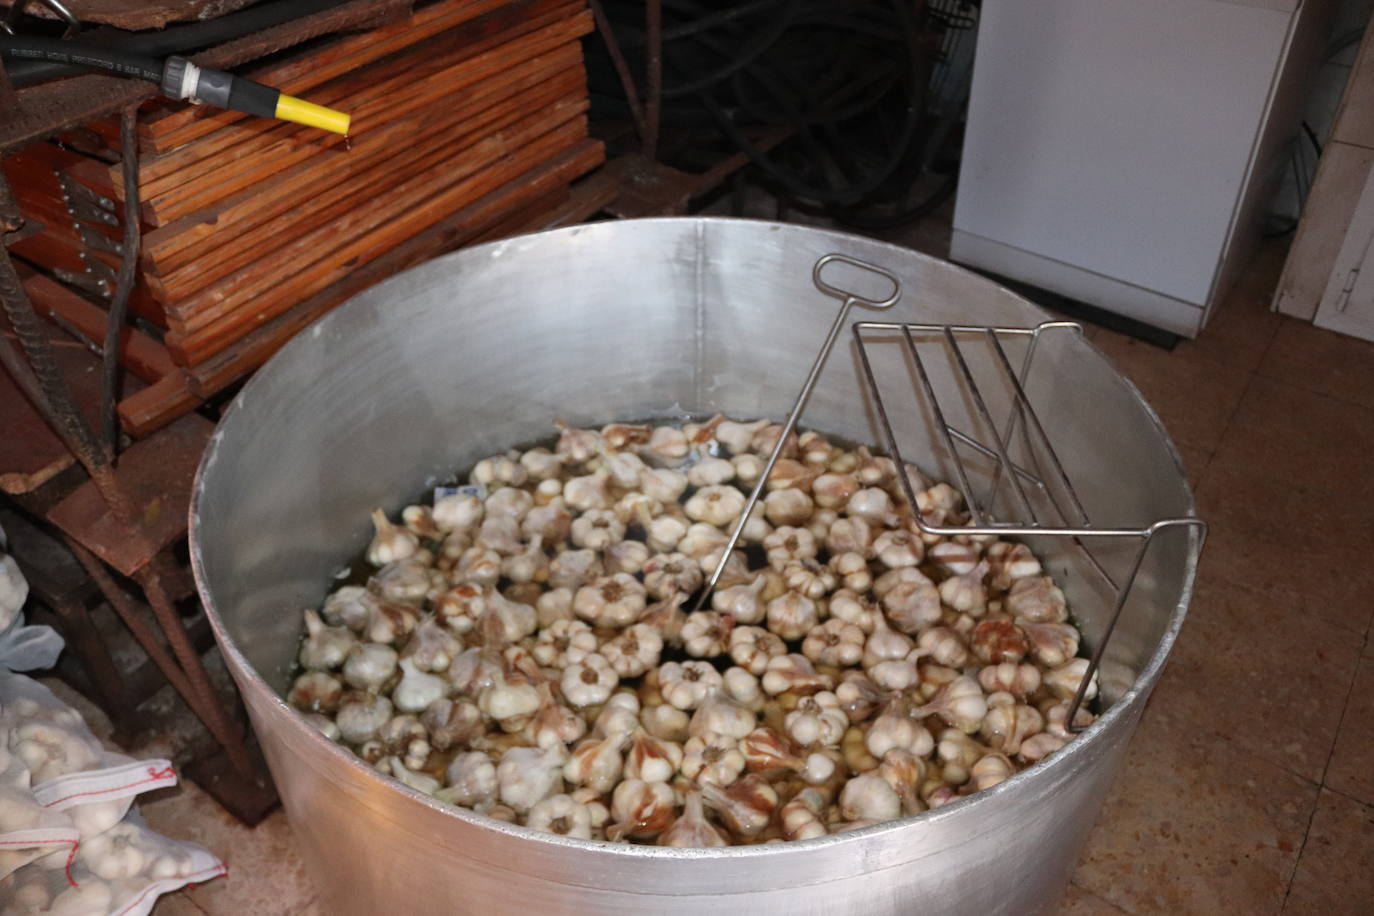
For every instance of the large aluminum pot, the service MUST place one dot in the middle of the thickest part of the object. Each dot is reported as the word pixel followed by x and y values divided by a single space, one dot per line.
pixel 474 352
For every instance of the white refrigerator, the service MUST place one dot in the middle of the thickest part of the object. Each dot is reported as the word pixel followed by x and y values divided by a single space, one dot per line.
pixel 1119 152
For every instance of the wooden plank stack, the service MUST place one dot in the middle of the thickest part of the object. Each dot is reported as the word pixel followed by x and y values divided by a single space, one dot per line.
pixel 468 123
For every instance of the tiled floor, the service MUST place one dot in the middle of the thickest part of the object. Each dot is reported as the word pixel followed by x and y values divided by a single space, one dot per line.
pixel 1252 787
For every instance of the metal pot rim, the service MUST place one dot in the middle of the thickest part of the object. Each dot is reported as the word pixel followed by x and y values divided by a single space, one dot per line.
pixel 1027 780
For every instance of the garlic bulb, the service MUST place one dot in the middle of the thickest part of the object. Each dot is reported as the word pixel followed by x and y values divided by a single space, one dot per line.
pixel 315 691
pixel 634 651
pixel 597 529
pixel 720 714
pixel 574 568
pixel 958 753
pixel 911 600
pixel 895 549
pixel 752 648
pixel 960 703
pixel 745 806
pixel 835 642
pixel 1063 681
pixel 710 471
pixel 450 723
pixel 869 797
pixel 717 505
pixel 887 659
pixel 361 716
pixel 944 645
pixel 589 492
pixel 1006 726
pixel 793 673
pixel 955 558
pixel 786 507
pixel 1010 562
pixel 325 648
pixel 904 772
pixel 499 470
pixel 611 601
pixel 432 647
pixel 817 721
pixel 626 557
pixel 1051 644
pixel 997 641
pixel 873 506
pixel 856 609
pixel 666 722
pixel 691 828
pixel 510 703
pixel 791 615
pixel 1018 680
pixel 802 816
pixel 706 634
pixel 669 574
pixel 596 763
pixel 966 592
pixel 620 716
pixel 541 464
pixel 832 491
pixel 589 681
pixel 989 771
pixel 897 728
pixel 369 666
pixel 551 523
pixel 641 809
pixel 391 542
pixel 1038 600
pixel 652 759
pixel 687 684
pixel 526 775
pixel 561 815
pixel 417 690
pixel 458 512
pixel 712 758
pixel 665 533
pixel 850 535
pixel 738 436
pixel 742 602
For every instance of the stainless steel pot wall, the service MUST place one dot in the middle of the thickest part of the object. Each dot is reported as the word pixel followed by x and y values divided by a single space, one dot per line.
pixel 482 349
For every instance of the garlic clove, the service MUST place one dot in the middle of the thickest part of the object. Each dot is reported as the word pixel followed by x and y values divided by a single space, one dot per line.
pixel 417 690
pixel 745 806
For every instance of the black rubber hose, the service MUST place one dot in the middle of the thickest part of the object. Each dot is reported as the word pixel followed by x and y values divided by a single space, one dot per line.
pixel 113 60
pixel 124 284
pixel 177 39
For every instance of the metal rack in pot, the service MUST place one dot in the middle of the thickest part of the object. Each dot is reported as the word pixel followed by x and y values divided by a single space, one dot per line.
pixel 1046 479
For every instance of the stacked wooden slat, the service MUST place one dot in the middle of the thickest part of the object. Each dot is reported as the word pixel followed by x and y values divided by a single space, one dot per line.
pixel 468 123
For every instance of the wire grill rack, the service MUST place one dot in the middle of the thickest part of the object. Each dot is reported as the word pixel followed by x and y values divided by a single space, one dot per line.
pixel 1044 483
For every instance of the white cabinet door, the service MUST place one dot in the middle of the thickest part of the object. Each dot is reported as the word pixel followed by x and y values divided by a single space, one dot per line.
pixel 1348 304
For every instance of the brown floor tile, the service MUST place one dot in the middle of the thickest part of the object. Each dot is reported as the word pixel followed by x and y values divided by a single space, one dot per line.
pixel 1195 396
pixel 1299 437
pixel 1319 360
pixel 1196 825
pixel 265 873
pixel 1251 669
pixel 1078 902
pixel 1352 762
pixel 1242 326
pixel 1335 875
pixel 1288 496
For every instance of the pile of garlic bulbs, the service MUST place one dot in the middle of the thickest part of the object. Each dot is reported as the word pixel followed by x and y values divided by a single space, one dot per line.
pixel 524 647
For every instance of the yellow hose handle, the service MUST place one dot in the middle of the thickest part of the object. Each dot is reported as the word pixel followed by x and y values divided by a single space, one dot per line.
pixel 299 111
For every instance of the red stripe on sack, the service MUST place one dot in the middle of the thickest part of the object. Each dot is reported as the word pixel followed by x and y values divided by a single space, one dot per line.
pixel 154 775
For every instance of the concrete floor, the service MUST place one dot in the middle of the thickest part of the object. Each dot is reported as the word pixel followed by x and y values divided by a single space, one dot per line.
pixel 1252 787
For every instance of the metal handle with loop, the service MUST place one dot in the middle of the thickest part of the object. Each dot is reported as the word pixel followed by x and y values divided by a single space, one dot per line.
pixel 848 300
